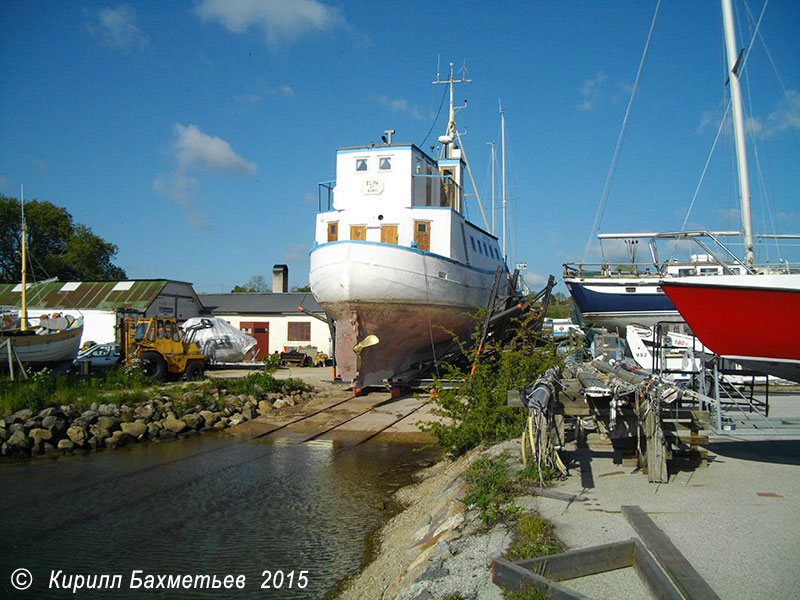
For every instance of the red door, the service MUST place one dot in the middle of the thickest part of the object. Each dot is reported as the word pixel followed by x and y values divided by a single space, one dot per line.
pixel 260 331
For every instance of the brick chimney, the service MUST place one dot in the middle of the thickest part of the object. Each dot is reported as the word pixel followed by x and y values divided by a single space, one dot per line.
pixel 280 279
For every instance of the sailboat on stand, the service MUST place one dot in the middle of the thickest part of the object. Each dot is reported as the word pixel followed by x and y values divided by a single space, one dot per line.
pixel 727 313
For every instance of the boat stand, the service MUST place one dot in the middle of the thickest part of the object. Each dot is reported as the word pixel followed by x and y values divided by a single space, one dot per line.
pixel 13 358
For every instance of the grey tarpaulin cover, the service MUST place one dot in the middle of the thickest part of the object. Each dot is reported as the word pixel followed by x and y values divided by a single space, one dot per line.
pixel 220 341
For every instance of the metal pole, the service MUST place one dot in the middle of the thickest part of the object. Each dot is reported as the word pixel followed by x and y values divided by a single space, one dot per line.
pixel 734 63
pixel 503 179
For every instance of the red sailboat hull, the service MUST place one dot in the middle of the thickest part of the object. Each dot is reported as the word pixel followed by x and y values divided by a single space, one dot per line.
pixel 753 319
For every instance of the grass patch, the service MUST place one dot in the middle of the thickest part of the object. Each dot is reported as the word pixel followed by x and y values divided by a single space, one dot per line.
pixel 492 488
pixel 533 537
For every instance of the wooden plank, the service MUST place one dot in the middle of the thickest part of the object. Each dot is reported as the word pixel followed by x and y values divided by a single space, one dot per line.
pixel 559 495
pixel 515 578
pixel 583 562
pixel 687 439
pixel 686 578
pixel 654 578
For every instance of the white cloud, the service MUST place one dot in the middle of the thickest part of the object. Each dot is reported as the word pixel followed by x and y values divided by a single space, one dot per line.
pixel 195 149
pixel 785 117
pixel 400 106
pixel 117 28
pixel 590 91
pixel 281 21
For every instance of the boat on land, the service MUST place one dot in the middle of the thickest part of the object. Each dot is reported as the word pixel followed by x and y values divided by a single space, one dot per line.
pixel 396 264
pixel 616 295
pixel 727 312
pixel 54 342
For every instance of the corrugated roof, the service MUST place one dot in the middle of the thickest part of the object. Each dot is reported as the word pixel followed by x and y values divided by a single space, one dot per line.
pixel 103 295
pixel 252 303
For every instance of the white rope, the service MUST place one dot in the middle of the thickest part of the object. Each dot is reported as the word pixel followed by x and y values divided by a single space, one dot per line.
pixel 612 169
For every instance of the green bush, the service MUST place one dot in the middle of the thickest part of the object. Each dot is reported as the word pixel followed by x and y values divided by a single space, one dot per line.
pixel 471 399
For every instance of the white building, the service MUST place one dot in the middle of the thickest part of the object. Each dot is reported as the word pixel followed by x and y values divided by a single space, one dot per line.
pixel 278 321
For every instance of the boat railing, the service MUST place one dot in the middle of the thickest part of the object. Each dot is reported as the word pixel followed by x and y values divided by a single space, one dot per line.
pixel 610 270
pixel 325 195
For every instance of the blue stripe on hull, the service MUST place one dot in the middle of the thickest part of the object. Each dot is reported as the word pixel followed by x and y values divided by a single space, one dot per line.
pixel 589 301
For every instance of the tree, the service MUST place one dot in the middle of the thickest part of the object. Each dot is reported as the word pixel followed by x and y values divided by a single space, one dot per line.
pixel 303 288
pixel 56 246
pixel 257 284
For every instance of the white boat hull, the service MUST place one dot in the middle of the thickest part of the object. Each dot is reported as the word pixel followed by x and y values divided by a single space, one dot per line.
pixel 45 349
pixel 415 302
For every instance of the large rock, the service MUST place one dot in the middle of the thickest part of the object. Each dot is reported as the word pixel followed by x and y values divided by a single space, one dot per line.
pixel 248 414
pixel 54 423
pixel 117 439
pixel 264 407
pixel 193 420
pixel 209 417
pixel 66 445
pixel 108 410
pixel 23 414
pixel 173 424
pixel 136 430
pixel 39 435
pixel 146 412
pixel 154 428
pixel 19 440
pixel 105 426
pixel 78 434
pixel 89 416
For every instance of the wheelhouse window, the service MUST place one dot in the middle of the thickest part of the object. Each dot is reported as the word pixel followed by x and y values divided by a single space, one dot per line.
pixel 300 332
pixel 385 163
pixel 362 165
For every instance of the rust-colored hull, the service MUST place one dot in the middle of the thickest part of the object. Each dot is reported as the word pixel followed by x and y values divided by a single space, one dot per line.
pixel 409 334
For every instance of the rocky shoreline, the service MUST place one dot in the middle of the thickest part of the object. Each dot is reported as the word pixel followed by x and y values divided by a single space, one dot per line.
pixel 71 428
pixel 437 546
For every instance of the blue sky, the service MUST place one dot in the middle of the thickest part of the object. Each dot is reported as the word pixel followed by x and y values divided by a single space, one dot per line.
pixel 193 134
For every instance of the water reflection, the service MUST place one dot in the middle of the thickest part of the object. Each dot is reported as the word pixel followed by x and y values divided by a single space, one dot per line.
pixel 203 505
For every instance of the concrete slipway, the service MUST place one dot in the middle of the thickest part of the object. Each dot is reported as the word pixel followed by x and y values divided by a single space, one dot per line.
pixel 736 519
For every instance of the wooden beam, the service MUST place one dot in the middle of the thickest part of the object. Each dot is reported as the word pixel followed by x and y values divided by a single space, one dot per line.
pixel 686 578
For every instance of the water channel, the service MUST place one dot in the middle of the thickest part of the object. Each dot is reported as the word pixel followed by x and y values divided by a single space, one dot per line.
pixel 205 505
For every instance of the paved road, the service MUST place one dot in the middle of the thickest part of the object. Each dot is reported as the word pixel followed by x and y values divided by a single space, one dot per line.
pixel 736 520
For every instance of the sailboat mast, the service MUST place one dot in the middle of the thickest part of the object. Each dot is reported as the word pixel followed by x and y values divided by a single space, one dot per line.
pixel 493 186
pixel 734 60
pixel 23 317
pixel 503 169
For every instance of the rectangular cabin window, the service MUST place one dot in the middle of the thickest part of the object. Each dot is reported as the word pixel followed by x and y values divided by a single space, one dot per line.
pixel 447 191
pixel 422 235
pixel 299 332
pixel 358 232
pixel 361 165
pixel 333 232
pixel 385 163
pixel 389 234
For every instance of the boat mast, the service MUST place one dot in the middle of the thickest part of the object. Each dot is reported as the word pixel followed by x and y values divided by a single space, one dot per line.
pixel 503 178
pixel 493 185
pixel 23 317
pixel 734 62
